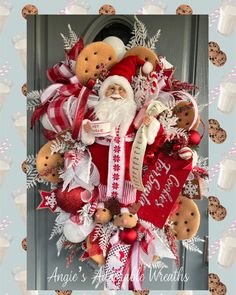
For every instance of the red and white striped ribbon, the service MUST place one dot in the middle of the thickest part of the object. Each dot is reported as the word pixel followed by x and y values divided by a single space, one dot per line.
pixel 57 115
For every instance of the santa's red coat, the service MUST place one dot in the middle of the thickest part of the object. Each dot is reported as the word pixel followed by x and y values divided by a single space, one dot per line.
pixel 100 153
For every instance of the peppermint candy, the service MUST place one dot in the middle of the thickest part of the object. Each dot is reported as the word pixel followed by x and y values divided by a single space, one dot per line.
pixel 185 153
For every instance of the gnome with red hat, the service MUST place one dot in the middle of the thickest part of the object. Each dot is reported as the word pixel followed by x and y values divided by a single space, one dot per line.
pixel 109 130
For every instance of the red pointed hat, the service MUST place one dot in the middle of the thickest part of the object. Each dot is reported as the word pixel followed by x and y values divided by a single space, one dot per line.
pixel 123 72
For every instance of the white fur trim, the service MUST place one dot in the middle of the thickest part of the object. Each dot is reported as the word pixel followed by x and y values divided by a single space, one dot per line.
pixel 124 210
pixel 120 80
pixel 152 130
pixel 147 67
pixel 100 206
pixel 87 138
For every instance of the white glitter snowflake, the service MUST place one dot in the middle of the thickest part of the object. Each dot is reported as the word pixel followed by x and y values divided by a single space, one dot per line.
pixel 51 201
pixel 190 189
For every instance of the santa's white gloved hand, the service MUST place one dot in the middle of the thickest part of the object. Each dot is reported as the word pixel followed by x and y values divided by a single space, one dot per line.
pixel 87 136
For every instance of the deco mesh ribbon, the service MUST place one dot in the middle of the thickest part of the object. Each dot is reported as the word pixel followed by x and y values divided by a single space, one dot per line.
pixel 65 85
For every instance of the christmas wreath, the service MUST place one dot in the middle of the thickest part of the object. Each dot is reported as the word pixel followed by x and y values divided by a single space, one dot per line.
pixel 121 155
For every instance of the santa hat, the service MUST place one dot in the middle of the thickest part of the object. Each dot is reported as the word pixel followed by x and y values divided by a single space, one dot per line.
pixel 123 72
pixel 125 209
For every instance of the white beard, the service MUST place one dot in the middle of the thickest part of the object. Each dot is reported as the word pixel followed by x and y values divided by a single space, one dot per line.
pixel 120 113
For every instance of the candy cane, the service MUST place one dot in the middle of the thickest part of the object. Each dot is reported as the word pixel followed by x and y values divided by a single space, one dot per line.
pixel 93 208
pixel 153 80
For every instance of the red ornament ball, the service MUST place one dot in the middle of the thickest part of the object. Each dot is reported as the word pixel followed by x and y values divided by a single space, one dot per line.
pixel 70 201
pixel 128 235
pixel 194 137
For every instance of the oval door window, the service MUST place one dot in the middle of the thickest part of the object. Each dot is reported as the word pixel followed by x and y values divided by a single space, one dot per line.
pixel 119 30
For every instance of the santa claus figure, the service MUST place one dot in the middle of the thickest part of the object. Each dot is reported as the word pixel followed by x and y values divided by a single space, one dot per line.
pixel 110 145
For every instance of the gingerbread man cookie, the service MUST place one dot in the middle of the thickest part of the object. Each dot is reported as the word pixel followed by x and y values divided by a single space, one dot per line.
pixel 24 244
pixel 91 58
pixel 143 53
pixel 48 163
pixel 107 9
pixel 185 113
pixel 186 220
pixel 24 89
pixel 184 9
pixel 29 9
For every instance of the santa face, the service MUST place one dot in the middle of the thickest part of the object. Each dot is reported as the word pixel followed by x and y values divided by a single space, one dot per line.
pixel 116 91
pixel 116 107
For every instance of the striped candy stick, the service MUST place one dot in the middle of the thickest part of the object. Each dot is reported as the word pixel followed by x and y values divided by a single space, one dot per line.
pixel 152 78
pixel 93 208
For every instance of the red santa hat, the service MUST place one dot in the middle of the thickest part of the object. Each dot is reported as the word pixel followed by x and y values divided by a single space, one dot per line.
pixel 123 72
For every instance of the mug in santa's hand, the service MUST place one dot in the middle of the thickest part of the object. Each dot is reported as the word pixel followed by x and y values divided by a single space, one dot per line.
pixel 227 20
pixel 227 175
pixel 227 98
pixel 227 252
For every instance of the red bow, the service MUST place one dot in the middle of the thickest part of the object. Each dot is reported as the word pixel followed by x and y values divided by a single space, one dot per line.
pixel 64 82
